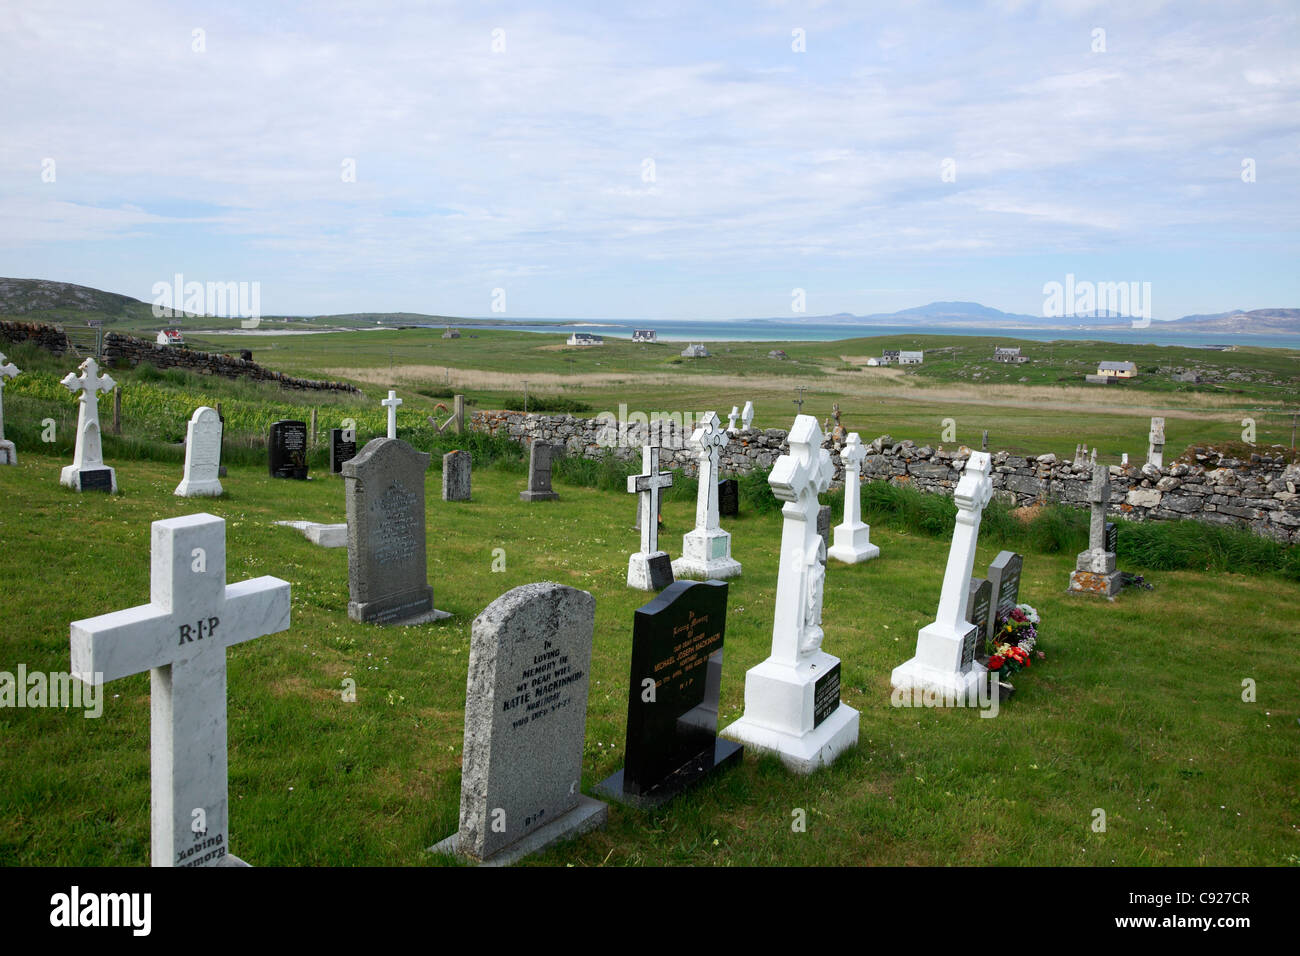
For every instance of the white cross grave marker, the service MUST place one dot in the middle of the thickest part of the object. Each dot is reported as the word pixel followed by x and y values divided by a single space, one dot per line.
pixel 706 551
pixel 88 468
pixel 747 416
pixel 8 454
pixel 648 485
pixel 181 637
pixel 853 538
pixel 731 420
pixel 392 403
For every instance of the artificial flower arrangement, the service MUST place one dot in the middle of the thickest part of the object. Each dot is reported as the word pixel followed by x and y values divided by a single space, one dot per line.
pixel 1015 644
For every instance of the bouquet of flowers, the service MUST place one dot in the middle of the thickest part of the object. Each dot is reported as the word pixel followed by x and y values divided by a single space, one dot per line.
pixel 1015 644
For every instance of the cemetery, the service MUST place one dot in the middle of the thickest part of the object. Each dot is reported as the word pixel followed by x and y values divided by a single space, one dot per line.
pixel 578 696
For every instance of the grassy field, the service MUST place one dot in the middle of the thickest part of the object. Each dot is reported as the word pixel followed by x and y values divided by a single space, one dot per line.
pixel 1137 709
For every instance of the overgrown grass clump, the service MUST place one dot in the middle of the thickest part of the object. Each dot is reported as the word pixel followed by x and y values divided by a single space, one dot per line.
pixel 545 403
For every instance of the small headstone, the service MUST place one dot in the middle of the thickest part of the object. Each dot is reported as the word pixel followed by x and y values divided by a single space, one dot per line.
pixel 1004 581
pixel 539 473
pixel 728 498
pixel 1123 459
pixel 88 471
pixel 202 456
pixel 525 725
pixel 181 637
pixel 672 708
pixel 286 450
pixel 978 601
pixel 8 454
pixel 387 564
pixel 343 447
pixel 945 649
pixel 456 467
pixel 792 701
pixel 1112 537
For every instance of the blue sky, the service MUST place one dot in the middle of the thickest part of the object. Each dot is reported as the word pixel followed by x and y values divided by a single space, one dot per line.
pixel 525 168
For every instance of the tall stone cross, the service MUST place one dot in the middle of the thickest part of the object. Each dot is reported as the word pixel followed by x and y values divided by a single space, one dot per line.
pixel 797 479
pixel 8 455
pixel 1099 496
pixel 974 491
pixel 181 637
pixel 710 438
pixel 853 538
pixel 392 403
pixel 89 454
pixel 648 485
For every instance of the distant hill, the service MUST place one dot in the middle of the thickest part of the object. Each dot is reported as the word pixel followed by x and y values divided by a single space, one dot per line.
pixel 22 296
pixel 1257 322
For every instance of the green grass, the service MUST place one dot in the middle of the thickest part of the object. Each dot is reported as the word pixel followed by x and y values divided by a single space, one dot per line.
pixel 1137 709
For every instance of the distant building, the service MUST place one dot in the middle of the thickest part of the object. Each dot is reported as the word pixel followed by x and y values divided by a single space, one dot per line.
pixel 644 335
pixel 883 361
pixel 585 338
pixel 911 358
pixel 1117 369
pixel 891 355
pixel 451 333
pixel 695 351
pixel 777 354
pixel 170 337
pixel 1010 355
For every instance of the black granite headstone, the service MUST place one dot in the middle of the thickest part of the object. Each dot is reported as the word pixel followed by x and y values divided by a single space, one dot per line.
pixel 968 646
pixel 286 450
pixel 978 600
pixel 1112 536
pixel 672 709
pixel 1004 573
pixel 340 450
pixel 728 498
pixel 661 570
pixel 98 479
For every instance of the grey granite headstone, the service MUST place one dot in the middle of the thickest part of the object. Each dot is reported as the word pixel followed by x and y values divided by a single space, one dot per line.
pixel 387 565
pixel 1004 576
pixel 525 725
pixel 824 529
pixel 539 473
pixel 456 476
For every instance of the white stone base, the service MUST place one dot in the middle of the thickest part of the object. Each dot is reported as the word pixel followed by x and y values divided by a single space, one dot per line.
pixel 8 454
pixel 325 535
pixel 962 686
pixel 71 476
pixel 937 663
pixel 638 570
pixel 199 489
pixel 779 714
pixel 706 555
pixel 853 544
pixel 718 570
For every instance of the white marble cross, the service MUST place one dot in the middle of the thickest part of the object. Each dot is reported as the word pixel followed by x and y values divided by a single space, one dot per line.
pixel 8 456
pixel 797 479
pixel 392 402
pixel 853 538
pixel 181 637
pixel 89 454
pixel 747 416
pixel 974 491
pixel 648 485
pixel 731 419
pixel 710 438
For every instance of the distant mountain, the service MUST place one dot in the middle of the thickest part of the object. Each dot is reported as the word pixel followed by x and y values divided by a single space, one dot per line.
pixel 21 296
pixel 1237 322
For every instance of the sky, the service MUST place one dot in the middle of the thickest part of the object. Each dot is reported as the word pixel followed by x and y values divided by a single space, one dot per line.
pixel 666 160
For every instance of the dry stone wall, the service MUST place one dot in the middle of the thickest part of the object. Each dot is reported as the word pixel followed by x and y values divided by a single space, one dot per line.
pixel 1259 493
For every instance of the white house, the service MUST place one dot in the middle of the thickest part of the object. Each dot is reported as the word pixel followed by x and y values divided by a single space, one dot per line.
pixel 695 351
pixel 644 335
pixel 1010 355
pixel 911 358
pixel 585 338
pixel 170 337
pixel 1117 369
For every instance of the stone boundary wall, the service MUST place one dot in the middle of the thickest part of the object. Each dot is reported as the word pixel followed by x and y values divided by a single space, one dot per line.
pixel 1259 493
pixel 133 351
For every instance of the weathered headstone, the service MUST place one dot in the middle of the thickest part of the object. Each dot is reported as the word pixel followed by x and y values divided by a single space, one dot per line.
pixel 286 450
pixel 1156 443
pixel 649 569
pixel 387 564
pixel 978 602
pixel 88 471
pixel 525 725
pixel 706 550
pixel 1094 571
pixel 539 473
pixel 672 707
pixel 853 538
pixel 392 403
pixel 984 442
pixel 792 699
pixel 728 498
pixel 181 637
pixel 1004 580
pixel 747 416
pixel 945 649
pixel 202 455
pixel 8 454
pixel 343 447
pixel 456 469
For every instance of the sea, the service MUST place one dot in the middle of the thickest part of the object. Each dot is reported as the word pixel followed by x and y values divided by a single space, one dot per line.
pixel 775 330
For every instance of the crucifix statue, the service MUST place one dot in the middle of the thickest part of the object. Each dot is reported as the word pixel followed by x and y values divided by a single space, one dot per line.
pixel 87 469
